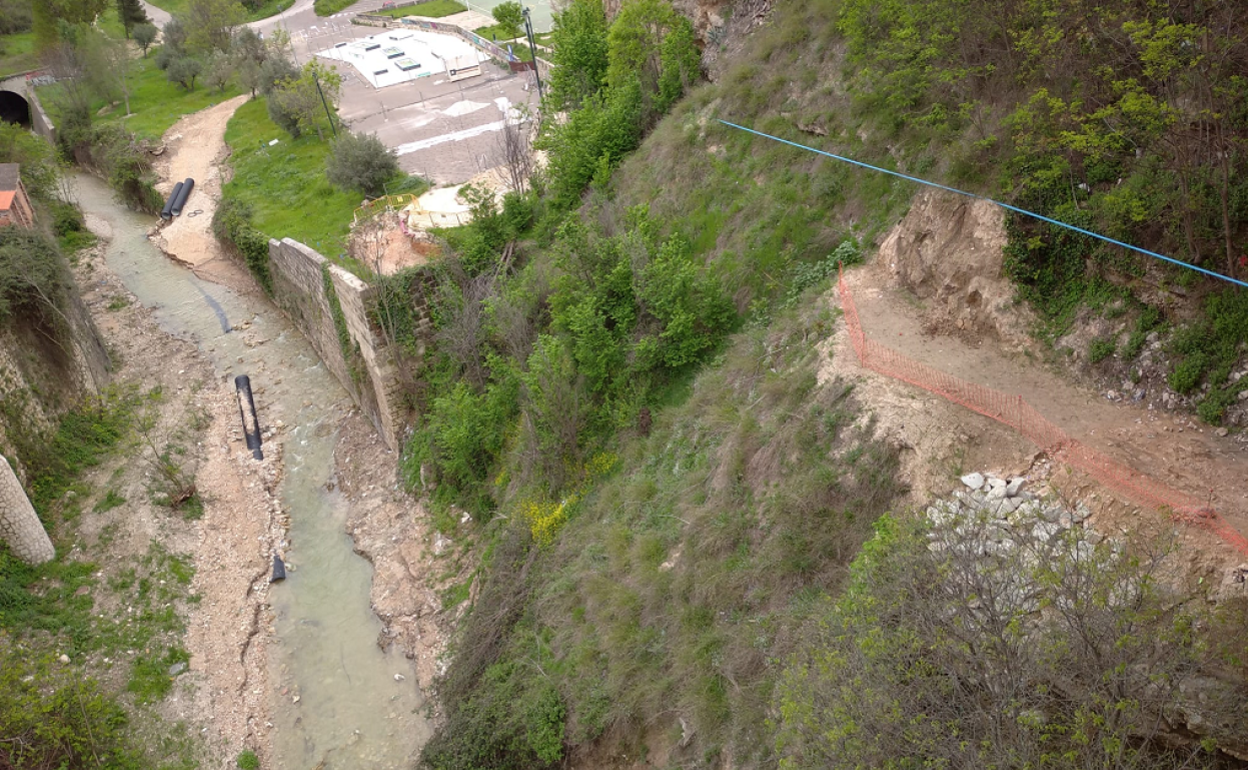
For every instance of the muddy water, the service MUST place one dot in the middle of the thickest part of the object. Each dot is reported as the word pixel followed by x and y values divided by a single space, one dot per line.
pixel 343 706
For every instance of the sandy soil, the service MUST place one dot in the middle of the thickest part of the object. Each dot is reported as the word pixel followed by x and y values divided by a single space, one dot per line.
pixel 221 694
pixel 196 149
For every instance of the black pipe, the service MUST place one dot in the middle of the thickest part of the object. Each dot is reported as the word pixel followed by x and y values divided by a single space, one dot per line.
pixel 181 199
pixel 247 410
pixel 167 211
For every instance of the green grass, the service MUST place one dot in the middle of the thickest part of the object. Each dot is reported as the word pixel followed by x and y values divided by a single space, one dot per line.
pixel 269 8
pixel 330 7
pixel 285 184
pixel 496 30
pixel 18 54
pixel 155 103
pixel 434 9
pixel 173 6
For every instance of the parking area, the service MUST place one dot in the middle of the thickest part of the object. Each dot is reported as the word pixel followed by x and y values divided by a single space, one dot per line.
pixel 446 131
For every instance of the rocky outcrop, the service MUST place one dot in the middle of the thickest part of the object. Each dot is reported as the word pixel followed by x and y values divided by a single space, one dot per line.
pixel 948 250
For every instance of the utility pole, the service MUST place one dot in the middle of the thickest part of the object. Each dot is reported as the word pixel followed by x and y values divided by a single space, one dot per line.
pixel 328 114
pixel 528 28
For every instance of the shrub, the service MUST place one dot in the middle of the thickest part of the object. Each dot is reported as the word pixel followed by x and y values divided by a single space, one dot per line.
pixel 940 654
pixel 1188 373
pixel 232 224
pixel 33 275
pixel 1101 349
pixel 54 717
pixel 15 16
pixel 247 760
pixel 361 162
pixel 281 115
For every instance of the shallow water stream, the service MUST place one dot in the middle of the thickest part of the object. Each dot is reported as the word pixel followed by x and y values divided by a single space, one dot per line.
pixel 344 707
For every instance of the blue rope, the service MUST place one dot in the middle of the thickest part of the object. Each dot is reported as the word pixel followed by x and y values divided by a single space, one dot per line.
pixel 1015 209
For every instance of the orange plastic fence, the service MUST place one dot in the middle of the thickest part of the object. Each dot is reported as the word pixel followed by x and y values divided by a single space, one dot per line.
pixel 1018 414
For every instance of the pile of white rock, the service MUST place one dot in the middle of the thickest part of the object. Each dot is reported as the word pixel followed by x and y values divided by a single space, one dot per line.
pixel 1005 513
pixel 997 533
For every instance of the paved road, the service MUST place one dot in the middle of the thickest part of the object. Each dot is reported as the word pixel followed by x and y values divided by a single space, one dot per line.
pixel 159 17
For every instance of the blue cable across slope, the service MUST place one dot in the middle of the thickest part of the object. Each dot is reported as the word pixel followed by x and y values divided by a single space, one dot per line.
pixel 1015 209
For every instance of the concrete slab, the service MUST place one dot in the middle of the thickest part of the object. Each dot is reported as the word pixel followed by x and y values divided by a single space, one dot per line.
pixel 392 56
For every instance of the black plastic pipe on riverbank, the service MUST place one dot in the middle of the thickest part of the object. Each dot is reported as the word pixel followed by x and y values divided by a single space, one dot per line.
pixel 247 410
pixel 167 211
pixel 180 201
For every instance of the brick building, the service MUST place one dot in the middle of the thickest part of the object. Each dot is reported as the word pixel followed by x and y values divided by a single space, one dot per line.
pixel 14 205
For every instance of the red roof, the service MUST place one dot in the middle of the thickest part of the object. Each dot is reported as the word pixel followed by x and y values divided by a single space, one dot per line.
pixel 6 200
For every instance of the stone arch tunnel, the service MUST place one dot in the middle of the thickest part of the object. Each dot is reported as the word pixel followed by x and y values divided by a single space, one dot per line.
pixel 14 108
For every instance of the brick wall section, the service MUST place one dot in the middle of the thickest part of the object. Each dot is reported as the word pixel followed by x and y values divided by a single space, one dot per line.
pixel 371 375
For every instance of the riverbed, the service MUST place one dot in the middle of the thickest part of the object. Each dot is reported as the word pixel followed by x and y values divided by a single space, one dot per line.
pixel 337 699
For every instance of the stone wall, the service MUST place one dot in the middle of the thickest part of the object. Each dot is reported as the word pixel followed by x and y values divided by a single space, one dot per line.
pixel 19 525
pixel 366 366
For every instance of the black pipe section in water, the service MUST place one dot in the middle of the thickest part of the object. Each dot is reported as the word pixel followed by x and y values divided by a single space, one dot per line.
pixel 279 569
pixel 247 410
pixel 167 211
pixel 180 201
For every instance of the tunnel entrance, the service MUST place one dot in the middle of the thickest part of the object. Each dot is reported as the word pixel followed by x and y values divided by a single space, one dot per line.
pixel 14 108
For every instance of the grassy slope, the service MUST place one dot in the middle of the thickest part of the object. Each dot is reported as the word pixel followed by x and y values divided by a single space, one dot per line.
pixel 155 103
pixel 19 54
pixel 269 8
pixel 434 9
pixel 691 567
pixel 285 184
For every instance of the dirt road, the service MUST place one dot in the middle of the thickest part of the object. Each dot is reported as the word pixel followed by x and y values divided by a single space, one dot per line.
pixel 197 150
pixel 1170 447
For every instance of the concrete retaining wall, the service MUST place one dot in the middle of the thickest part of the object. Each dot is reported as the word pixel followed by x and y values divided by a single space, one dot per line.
pixel 367 368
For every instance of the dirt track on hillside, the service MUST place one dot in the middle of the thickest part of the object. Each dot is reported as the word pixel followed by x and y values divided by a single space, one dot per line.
pixel 940 439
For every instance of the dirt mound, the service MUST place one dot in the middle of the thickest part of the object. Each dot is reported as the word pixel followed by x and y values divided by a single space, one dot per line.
pixel 948 250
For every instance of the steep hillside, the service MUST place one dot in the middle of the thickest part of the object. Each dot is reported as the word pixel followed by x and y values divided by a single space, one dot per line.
pixel 633 401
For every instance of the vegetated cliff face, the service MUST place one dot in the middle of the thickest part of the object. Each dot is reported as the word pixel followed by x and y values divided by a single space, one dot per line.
pixel 48 361
pixel 722 26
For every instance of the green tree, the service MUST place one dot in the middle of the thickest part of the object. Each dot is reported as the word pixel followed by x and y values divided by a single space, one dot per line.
pixel 220 69
pixel 47 14
pixel 144 35
pixel 184 71
pixel 40 171
pixel 210 24
pixel 579 40
pixel 305 98
pixel 360 162
pixel 510 16
pixel 132 14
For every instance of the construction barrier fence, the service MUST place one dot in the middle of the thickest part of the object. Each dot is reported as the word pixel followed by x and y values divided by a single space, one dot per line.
pixel 1013 411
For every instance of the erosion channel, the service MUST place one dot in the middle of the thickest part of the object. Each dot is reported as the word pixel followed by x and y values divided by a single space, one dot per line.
pixel 337 700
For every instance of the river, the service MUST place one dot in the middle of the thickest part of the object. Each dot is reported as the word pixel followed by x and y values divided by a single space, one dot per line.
pixel 347 704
